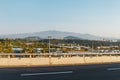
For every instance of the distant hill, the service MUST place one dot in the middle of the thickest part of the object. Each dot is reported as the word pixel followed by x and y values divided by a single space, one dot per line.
pixel 54 34
pixel 71 37
pixel 32 38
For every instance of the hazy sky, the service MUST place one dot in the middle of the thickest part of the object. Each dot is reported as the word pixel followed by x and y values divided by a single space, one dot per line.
pixel 98 17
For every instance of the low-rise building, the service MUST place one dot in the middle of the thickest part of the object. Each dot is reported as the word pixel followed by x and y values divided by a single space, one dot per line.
pixel 17 50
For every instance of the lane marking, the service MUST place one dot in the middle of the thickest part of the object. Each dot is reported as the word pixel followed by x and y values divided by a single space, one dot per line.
pixel 48 73
pixel 111 69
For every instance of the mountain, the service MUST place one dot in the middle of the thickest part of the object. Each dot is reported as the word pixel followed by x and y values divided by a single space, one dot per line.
pixel 54 34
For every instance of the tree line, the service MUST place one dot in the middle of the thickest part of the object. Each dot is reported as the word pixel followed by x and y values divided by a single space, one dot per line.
pixel 28 46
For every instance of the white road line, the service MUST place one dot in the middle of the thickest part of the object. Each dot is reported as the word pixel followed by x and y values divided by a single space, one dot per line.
pixel 48 73
pixel 111 69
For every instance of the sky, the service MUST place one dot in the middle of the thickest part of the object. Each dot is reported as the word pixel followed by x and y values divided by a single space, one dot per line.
pixel 97 17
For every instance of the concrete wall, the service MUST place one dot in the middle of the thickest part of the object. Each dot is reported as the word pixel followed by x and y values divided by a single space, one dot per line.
pixel 57 60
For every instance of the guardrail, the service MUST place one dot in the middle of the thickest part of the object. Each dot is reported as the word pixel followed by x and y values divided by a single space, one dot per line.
pixel 24 55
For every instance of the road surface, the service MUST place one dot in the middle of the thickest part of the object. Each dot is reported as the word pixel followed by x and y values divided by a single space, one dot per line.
pixel 77 72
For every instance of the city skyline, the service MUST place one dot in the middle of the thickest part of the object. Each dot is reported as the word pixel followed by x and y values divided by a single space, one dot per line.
pixel 99 18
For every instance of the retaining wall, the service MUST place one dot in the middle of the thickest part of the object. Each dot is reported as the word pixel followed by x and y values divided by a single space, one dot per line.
pixel 57 60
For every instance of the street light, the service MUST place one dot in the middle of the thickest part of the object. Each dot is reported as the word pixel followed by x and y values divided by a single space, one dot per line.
pixel 92 46
pixel 71 50
pixel 49 37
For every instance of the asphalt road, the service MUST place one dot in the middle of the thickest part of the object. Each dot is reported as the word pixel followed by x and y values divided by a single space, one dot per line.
pixel 84 72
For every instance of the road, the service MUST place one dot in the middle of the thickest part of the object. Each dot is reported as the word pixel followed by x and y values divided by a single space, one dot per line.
pixel 76 72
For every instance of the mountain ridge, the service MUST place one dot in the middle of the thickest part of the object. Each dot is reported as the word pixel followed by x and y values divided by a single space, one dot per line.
pixel 55 34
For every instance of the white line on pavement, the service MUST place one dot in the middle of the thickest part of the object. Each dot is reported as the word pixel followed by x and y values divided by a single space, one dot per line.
pixel 111 69
pixel 48 73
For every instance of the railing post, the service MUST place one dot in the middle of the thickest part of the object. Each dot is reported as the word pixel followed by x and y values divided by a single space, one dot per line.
pixel 8 56
pixel 50 59
pixel 84 58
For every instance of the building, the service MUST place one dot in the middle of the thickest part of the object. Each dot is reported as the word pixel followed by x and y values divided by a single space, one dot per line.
pixel 17 50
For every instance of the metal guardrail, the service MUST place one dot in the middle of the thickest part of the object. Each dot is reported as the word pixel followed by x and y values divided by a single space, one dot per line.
pixel 26 55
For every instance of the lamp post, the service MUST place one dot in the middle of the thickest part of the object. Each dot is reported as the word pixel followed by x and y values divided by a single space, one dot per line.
pixel 71 47
pixel 92 46
pixel 49 37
